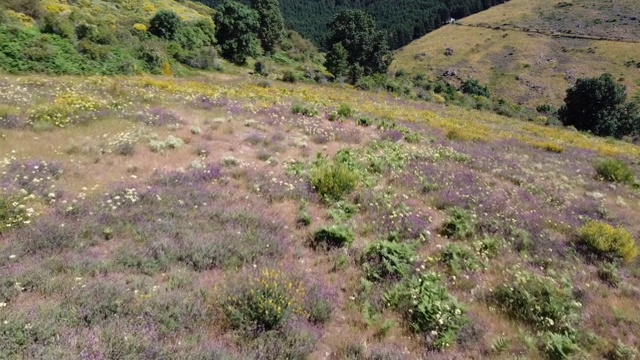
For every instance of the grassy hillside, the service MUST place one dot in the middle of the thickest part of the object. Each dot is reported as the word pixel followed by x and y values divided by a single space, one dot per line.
pixel 226 217
pixel 530 52
pixel 103 37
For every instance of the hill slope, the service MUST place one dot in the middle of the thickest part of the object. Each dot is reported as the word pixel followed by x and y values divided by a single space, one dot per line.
pixel 530 52
pixel 222 217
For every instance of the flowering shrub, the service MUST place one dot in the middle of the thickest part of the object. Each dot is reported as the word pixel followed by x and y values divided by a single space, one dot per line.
pixel 13 214
pixel 425 302
pixel 388 260
pixel 538 301
pixel 263 301
pixel 608 241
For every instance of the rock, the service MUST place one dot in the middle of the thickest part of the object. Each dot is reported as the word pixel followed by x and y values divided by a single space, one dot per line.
pixel 448 52
pixel 612 186
pixel 595 195
pixel 450 73
pixel 219 120
pixel 250 122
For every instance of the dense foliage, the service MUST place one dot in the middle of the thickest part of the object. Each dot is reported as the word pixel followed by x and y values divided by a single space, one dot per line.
pixel 45 39
pixel 401 22
pixel 598 105
pixel 236 31
pixel 366 47
pixel 271 28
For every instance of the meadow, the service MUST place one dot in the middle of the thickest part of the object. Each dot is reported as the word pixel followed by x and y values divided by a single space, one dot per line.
pixel 232 217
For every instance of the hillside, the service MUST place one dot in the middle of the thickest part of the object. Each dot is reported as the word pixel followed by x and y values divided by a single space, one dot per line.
pixel 530 52
pixel 403 20
pixel 227 217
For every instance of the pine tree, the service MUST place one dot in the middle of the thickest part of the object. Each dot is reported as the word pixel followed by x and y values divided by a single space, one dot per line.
pixel 271 23
pixel 337 61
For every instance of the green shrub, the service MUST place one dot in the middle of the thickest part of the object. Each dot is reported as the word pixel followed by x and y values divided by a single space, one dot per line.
pixel 345 111
pixel 459 224
pixel 457 258
pixel 609 274
pixel 383 260
pixel 303 218
pixel 364 121
pixel 333 180
pixel 260 68
pixel 164 24
pixel 262 301
pixel 614 170
pixel 334 236
pixel 539 302
pixel 558 346
pixel 306 110
pixel 622 352
pixel 289 76
pixel 608 241
pixel 473 87
pixel 429 308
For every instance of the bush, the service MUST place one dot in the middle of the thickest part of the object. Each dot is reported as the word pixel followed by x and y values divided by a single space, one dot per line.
pixel 607 241
pixel 473 87
pixel 385 260
pixel 262 301
pixel 425 302
pixel 559 346
pixel 345 111
pixel 306 110
pixel 333 237
pixel 608 273
pixel 614 170
pixel 289 76
pixel 260 68
pixel 458 225
pixel 164 24
pixel 333 180
pixel 458 258
pixel 539 302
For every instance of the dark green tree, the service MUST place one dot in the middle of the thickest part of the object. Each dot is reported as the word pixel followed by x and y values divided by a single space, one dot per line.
pixel 337 61
pixel 599 105
pixel 237 28
pixel 366 46
pixel 271 23
pixel 164 24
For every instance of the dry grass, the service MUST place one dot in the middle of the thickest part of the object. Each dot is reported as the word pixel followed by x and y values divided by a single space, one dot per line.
pixel 527 67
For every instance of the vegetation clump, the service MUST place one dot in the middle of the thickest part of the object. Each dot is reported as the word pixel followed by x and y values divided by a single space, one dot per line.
pixel 599 105
pixel 333 180
pixel 539 302
pixel 608 241
pixel 458 225
pixel 384 260
pixel 429 308
pixel 335 236
pixel 263 301
pixel 614 170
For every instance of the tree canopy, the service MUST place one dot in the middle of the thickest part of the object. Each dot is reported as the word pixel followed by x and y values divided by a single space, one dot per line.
pixel 598 105
pixel 271 28
pixel 237 28
pixel 366 47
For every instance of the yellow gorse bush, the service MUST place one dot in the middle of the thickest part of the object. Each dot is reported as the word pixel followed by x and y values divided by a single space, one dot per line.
pixel 264 301
pixel 608 240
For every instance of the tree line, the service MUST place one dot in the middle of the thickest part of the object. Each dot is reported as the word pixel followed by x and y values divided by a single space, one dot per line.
pixel 402 21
